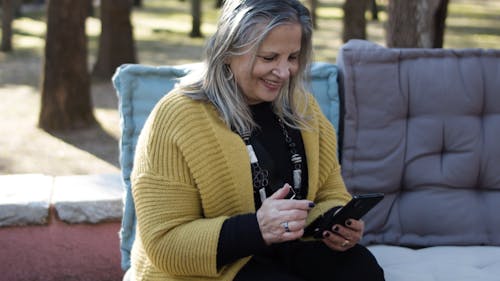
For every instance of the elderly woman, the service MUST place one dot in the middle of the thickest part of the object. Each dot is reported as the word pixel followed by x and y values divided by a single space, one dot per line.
pixel 233 163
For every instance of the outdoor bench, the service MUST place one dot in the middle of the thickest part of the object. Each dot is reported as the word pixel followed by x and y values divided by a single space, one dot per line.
pixel 420 125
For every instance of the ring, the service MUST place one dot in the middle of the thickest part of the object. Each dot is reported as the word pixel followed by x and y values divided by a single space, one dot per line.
pixel 345 243
pixel 285 225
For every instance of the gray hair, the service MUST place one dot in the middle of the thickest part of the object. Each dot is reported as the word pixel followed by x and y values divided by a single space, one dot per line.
pixel 242 27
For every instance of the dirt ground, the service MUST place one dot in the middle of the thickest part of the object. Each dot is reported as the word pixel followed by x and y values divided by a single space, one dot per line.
pixel 24 148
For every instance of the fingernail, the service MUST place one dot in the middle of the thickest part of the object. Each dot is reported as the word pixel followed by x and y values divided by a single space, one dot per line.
pixel 311 204
pixel 336 229
pixel 348 222
pixel 326 234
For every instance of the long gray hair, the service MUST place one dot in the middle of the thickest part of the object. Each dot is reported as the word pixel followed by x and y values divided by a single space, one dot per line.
pixel 242 27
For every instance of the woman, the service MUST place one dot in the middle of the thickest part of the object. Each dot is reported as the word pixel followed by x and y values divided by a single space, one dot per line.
pixel 234 163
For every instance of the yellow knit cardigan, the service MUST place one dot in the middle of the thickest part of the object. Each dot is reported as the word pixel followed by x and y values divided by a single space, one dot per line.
pixel 191 173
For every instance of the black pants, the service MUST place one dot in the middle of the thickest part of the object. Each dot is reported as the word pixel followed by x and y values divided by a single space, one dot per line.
pixel 312 261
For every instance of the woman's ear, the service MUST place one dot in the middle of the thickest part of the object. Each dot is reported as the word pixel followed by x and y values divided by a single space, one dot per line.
pixel 228 59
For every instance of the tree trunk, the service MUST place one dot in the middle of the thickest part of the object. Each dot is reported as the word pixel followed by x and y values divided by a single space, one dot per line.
pixel 116 42
pixel 196 18
pixel 416 23
pixel 440 24
pixel 138 3
pixel 374 10
pixel 91 12
pixel 17 8
pixel 7 16
pixel 402 24
pixel 354 21
pixel 219 3
pixel 313 5
pixel 65 100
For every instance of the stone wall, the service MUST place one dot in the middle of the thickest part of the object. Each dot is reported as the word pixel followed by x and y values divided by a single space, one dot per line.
pixel 60 228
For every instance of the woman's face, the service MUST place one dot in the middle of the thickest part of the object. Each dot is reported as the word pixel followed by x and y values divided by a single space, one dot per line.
pixel 277 59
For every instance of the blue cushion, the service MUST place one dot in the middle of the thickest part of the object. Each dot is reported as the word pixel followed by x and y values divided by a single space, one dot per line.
pixel 325 89
pixel 139 87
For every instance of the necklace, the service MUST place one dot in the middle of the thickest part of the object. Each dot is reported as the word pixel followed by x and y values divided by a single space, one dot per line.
pixel 260 176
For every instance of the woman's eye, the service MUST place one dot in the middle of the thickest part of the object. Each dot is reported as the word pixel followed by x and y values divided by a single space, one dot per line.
pixel 268 58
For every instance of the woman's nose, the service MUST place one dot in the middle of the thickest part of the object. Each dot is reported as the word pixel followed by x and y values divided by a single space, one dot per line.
pixel 282 70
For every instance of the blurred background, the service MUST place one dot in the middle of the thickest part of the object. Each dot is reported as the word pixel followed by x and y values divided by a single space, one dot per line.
pixel 58 106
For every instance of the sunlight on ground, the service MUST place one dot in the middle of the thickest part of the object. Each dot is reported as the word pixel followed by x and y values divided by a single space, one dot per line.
pixel 38 151
pixel 112 124
pixel 29 26
pixel 330 12
pixel 93 27
pixel 145 27
pixel 161 36
pixel 27 42
pixel 162 25
pixel 30 33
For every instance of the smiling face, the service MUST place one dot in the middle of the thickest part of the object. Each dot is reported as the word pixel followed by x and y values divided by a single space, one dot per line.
pixel 276 60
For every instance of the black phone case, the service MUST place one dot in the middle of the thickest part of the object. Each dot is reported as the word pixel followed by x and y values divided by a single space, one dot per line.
pixel 354 209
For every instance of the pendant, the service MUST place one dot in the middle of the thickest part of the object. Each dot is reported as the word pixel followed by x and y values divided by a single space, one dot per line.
pixel 262 194
pixel 251 154
pixel 297 179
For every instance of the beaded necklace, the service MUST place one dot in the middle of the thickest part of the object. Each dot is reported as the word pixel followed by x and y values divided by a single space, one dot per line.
pixel 260 176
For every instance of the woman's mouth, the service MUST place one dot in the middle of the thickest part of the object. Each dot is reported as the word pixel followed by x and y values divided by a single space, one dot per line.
pixel 272 85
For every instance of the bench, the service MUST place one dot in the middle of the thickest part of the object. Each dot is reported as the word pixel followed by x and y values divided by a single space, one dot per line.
pixel 420 125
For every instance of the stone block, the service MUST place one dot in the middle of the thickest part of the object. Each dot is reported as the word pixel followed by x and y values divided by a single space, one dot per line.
pixel 24 199
pixel 88 198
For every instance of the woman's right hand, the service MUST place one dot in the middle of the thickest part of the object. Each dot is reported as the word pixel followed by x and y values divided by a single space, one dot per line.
pixel 282 219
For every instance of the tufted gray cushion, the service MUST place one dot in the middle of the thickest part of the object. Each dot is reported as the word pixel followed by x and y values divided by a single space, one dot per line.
pixel 423 126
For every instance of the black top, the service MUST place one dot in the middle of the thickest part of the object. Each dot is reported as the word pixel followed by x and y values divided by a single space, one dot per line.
pixel 273 151
pixel 273 154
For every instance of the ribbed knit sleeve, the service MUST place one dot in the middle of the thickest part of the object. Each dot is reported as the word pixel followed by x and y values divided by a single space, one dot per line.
pixel 330 190
pixel 179 180
pixel 191 173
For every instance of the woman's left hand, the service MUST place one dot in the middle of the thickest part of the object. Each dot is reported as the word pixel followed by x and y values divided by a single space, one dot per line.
pixel 342 238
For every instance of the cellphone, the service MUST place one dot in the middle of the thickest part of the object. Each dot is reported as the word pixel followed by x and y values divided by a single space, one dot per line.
pixel 354 209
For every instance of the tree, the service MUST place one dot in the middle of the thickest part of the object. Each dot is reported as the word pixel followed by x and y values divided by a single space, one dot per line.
pixel 138 3
pixel 440 24
pixel 354 21
pixel 65 99
pixel 116 42
pixel 196 19
pixel 313 5
pixel 90 8
pixel 7 16
pixel 416 23
pixel 374 9
pixel 219 3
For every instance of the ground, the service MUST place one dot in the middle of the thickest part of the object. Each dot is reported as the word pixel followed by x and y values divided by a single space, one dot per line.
pixel 161 40
pixel 27 149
